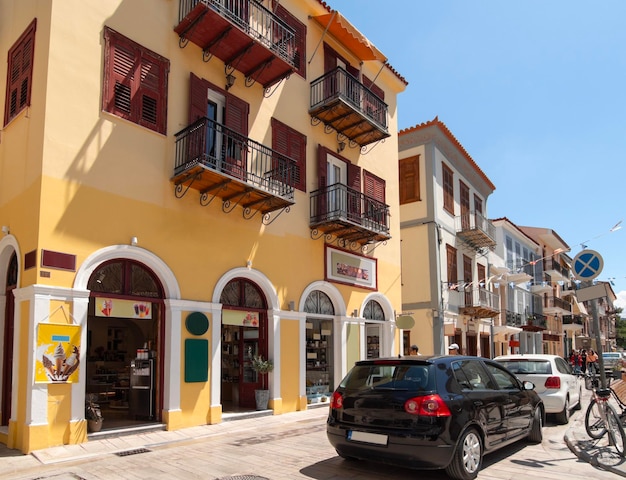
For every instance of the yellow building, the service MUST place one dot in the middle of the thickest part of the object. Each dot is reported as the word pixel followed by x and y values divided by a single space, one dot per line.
pixel 186 185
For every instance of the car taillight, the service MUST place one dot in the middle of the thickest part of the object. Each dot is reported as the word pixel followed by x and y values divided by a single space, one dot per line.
pixel 336 400
pixel 553 382
pixel 428 406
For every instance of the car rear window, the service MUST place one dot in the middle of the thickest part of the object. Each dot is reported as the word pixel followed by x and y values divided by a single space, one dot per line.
pixel 530 367
pixel 394 377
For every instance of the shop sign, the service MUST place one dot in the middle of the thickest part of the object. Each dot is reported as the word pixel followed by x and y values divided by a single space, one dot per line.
pixel 350 269
pixel 240 318
pixel 58 353
pixel 114 307
pixel 513 343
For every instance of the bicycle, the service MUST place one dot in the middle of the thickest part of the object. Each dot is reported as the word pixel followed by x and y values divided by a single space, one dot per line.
pixel 601 417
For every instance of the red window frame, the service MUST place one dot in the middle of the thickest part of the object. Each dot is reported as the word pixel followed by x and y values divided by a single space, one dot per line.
pixel 135 82
pixel 20 73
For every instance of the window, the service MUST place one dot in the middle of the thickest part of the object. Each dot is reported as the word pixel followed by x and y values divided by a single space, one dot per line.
pixel 409 180
pixel 291 143
pixel 299 56
pixel 135 82
pixel 20 73
pixel 448 189
pixel 374 190
pixel 453 277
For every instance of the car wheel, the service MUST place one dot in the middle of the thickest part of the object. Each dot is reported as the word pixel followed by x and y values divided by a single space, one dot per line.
pixel 536 430
pixel 563 417
pixel 579 405
pixel 467 458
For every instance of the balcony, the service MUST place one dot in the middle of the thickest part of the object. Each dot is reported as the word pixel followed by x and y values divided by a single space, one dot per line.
pixel 553 268
pixel 244 34
pixel 519 272
pixel 479 303
pixel 218 162
pixel 536 322
pixel 557 306
pixel 476 230
pixel 348 215
pixel 542 286
pixel 514 319
pixel 573 322
pixel 342 103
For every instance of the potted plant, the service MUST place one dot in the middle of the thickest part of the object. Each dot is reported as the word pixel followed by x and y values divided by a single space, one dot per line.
pixel 93 414
pixel 262 367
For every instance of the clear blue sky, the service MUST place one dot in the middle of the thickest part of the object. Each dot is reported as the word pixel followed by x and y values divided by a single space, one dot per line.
pixel 534 91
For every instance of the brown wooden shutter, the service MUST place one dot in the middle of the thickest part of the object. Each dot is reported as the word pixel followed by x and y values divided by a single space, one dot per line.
pixel 198 91
pixel 409 180
pixel 236 115
pixel 19 82
pixel 299 56
pixel 321 166
pixel 291 143
pixel 236 119
pixel 373 186
pixel 355 207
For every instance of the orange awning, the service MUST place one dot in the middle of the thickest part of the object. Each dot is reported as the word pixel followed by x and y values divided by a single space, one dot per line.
pixel 348 34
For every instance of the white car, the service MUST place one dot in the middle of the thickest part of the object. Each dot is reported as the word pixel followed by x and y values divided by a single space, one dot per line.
pixel 554 380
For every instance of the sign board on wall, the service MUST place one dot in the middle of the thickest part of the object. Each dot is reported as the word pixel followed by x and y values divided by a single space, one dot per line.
pixel 58 353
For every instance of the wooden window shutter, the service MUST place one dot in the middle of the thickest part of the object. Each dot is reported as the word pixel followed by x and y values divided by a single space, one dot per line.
pixel 198 90
pixel 409 180
pixel 376 90
pixel 236 115
pixel 20 73
pixel 373 186
pixel 291 143
pixel 299 55
pixel 135 82
pixel 321 166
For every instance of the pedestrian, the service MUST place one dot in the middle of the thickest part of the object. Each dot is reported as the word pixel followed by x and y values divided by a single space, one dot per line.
pixel 592 361
pixel 453 349
pixel 574 361
pixel 415 351
pixel 583 361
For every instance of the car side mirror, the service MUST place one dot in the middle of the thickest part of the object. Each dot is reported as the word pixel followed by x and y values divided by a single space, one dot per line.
pixel 529 385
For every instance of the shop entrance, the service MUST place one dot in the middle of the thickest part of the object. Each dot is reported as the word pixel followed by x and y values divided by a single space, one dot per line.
pixel 125 343
pixel 7 360
pixel 244 336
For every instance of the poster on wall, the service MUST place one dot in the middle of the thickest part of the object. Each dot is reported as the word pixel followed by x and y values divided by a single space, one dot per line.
pixel 346 267
pixel 58 353
pixel 240 318
pixel 114 307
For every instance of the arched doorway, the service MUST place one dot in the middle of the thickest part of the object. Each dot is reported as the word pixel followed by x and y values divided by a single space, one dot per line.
pixel 373 332
pixel 7 360
pixel 125 342
pixel 320 333
pixel 244 335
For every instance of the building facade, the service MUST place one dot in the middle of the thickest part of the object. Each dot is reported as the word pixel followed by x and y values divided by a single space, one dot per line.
pixel 187 185
pixel 446 240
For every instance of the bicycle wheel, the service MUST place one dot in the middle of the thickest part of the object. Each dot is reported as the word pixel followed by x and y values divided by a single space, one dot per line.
pixel 593 421
pixel 616 431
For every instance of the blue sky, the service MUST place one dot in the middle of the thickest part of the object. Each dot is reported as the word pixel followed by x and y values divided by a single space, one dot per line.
pixel 536 93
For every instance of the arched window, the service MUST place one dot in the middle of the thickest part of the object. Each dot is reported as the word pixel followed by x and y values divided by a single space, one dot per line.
pixel 125 277
pixel 373 311
pixel 242 293
pixel 320 303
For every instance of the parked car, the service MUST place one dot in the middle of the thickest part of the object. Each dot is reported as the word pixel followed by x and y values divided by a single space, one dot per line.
pixel 612 361
pixel 554 379
pixel 431 412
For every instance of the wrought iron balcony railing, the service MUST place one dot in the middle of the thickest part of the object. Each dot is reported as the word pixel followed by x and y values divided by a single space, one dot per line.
pixel 476 230
pixel 349 214
pixel 218 161
pixel 244 34
pixel 343 103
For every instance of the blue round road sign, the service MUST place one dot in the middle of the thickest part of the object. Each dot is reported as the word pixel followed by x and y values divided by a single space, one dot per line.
pixel 587 265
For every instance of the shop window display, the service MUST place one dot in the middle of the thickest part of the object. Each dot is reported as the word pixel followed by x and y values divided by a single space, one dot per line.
pixel 319 360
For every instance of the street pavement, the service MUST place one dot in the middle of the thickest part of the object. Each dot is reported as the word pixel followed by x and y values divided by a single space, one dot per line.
pixel 289 447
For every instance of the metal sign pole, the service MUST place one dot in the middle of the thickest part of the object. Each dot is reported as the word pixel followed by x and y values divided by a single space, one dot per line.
pixel 596 329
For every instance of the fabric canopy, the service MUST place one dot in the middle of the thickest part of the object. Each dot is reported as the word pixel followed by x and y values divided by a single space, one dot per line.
pixel 348 34
pixel 506 329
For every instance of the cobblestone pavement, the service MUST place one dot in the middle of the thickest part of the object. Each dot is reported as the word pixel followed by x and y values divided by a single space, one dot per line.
pixel 290 447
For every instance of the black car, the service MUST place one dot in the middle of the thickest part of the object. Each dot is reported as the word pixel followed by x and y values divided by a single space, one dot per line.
pixel 432 412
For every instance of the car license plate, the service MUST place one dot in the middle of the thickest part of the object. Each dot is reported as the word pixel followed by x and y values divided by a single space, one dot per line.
pixel 374 438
